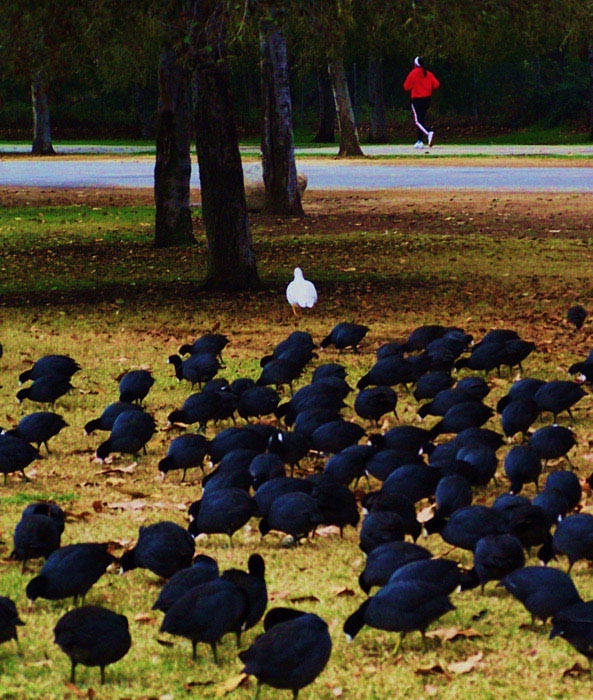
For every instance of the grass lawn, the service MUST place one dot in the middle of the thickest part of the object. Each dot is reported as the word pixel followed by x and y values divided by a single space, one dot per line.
pixel 78 275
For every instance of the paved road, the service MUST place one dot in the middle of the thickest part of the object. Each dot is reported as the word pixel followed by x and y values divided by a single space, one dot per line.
pixel 130 172
pixel 383 150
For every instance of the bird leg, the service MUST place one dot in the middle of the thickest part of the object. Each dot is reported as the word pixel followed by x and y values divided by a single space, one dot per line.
pixel 102 675
pixel 214 653
pixel 194 645
pixel 238 634
pixel 73 672
pixel 400 639
pixel 294 308
pixel 26 478
pixel 230 540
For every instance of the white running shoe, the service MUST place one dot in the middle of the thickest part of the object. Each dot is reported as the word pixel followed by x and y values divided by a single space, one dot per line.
pixel 430 138
pixel 418 144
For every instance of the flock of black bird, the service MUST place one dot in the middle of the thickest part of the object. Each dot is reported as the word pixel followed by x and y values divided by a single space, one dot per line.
pixel 253 476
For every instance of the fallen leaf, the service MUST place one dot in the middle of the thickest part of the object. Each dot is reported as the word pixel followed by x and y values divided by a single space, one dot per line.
pixel 432 669
pixel 81 692
pixel 575 670
pixel 341 592
pixel 467 665
pixel 128 505
pixel 425 514
pixel 70 515
pixel 447 634
pixel 36 664
pixel 327 531
pixel 165 643
pixel 431 690
pixel 97 506
pixel 118 470
pixel 143 617
pixel 337 691
pixel 304 599
pixel 188 685
pixel 231 684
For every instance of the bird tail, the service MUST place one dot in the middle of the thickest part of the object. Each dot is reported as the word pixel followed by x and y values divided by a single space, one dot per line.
pixel 91 426
pixel 326 341
pixel 363 382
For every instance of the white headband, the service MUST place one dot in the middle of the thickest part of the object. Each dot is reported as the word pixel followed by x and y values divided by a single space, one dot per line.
pixel 417 62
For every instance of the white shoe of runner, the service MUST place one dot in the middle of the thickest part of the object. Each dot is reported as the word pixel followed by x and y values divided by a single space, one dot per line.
pixel 430 138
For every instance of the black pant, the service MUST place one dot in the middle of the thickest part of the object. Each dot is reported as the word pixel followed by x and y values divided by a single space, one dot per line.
pixel 420 107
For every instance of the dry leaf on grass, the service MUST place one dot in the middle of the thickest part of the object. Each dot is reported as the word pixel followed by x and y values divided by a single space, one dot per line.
pixel 188 685
pixel 128 505
pixel 71 516
pixel 575 670
pixel 432 669
pixel 143 617
pixel 97 506
pixel 343 592
pixel 447 634
pixel 81 692
pixel 327 531
pixel 37 664
pixel 304 599
pixel 231 684
pixel 118 470
pixel 165 643
pixel 467 665
pixel 425 514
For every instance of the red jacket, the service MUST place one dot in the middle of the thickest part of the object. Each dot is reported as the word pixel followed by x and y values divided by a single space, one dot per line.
pixel 420 85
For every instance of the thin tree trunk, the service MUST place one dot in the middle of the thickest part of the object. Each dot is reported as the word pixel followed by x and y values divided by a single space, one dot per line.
pixel 590 60
pixel 349 144
pixel 141 99
pixel 172 170
pixel 378 127
pixel 327 108
pixel 42 145
pixel 230 258
pixel 279 168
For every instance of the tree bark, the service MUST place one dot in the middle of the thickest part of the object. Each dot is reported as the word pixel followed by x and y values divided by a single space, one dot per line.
pixel 349 144
pixel 590 60
pixel 279 167
pixel 172 170
pixel 42 145
pixel 230 259
pixel 378 127
pixel 327 108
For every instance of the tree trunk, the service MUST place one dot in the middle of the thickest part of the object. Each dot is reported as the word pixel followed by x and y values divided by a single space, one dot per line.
pixel 279 168
pixel 42 145
pixel 230 258
pixel 590 60
pixel 327 108
pixel 141 99
pixel 172 170
pixel 349 144
pixel 378 128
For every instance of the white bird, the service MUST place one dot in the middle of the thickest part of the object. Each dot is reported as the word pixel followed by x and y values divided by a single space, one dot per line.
pixel 300 292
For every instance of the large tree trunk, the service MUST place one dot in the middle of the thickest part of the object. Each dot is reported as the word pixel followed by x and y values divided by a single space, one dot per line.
pixel 230 259
pixel 590 59
pixel 42 145
pixel 327 108
pixel 378 128
pixel 349 144
pixel 279 168
pixel 172 170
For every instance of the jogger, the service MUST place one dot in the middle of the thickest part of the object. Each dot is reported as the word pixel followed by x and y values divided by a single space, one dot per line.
pixel 421 84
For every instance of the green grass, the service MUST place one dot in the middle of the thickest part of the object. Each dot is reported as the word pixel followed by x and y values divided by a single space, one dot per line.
pixel 131 306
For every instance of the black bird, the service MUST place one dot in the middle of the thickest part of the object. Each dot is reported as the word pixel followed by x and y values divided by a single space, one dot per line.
pixel 553 504
pixel 483 463
pixel 573 537
pixel 70 572
pixel 348 465
pixel 518 416
pixel 51 365
pixel 415 481
pixel 206 613
pixel 406 438
pixel 238 386
pixel 577 316
pixel 452 493
pixel 185 452
pixel 46 389
pixel 444 574
pixel 307 422
pixel 381 464
pixel 9 620
pixel 515 351
pixel 290 654
pixel 444 401
pixel 428 386
pixel 495 556
pixel 35 536
pixel 345 335
pixel 470 414
pixel 568 484
pixel 422 336
pixel 38 428
pixel 498 335
pixel 523 389
pixel 106 420
pixel 544 591
pixel 278 373
pixel 202 570
pixel 295 514
pixel 223 511
pixel 264 467
pixel 470 437
pixel 380 527
pixel 336 503
pixel 531 527
pixel 209 344
pixel 331 369
pixel 485 357
pixel 15 455
pixel 92 636
pixel 552 442
pixel 51 510
pixel 268 492
pixel 522 465
pixel 290 447
pixel 336 436
pixel 374 403
pixel 403 606
pixel 390 371
pixel 247 438
pixel 256 402
pixel 135 385
pixel 297 339
pixel 312 396
pixel 558 396
pixel 468 525
pixel 575 625
pixel 253 583
pixel 475 388
pixel 202 408
pixel 197 369
pixel 383 561
pixel 396 503
pixel 162 548
pixel 130 433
